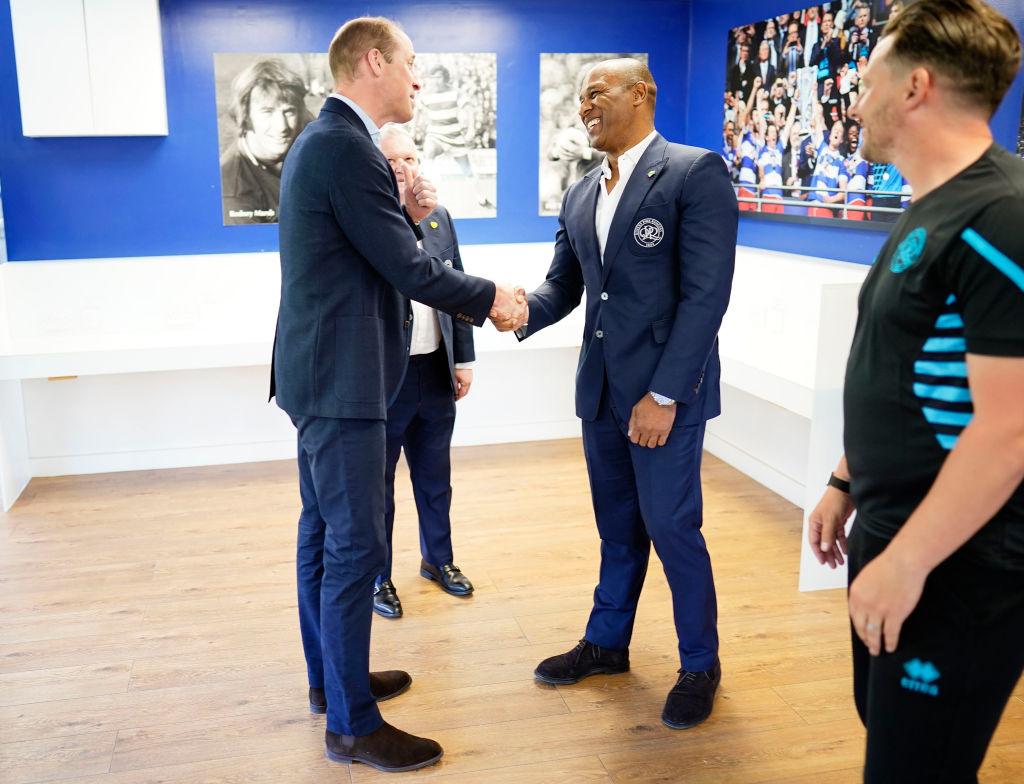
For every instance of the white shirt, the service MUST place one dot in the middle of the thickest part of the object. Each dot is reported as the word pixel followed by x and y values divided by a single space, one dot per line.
pixel 608 203
pixel 426 331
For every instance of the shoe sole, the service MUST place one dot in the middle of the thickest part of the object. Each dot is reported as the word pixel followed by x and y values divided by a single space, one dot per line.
pixel 569 681
pixel 429 576
pixel 321 710
pixel 342 758
pixel 389 616
pixel 686 725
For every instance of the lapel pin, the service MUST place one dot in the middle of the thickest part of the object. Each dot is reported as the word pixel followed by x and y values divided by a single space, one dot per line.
pixel 433 224
pixel 650 173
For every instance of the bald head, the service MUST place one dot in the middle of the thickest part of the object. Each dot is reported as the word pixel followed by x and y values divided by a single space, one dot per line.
pixel 617 104
pixel 628 71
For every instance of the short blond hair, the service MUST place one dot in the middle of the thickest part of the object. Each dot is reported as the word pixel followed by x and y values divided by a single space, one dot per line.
pixel 357 37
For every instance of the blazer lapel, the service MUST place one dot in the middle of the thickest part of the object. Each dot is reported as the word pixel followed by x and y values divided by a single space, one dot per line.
pixel 582 220
pixel 643 177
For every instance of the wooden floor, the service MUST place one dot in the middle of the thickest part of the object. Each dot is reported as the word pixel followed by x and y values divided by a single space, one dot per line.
pixel 148 634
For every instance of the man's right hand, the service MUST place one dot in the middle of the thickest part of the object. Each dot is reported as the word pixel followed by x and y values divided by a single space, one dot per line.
pixel 826 527
pixel 510 310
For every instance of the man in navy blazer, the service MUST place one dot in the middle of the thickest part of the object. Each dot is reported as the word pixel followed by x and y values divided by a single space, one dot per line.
pixel 421 418
pixel 651 237
pixel 349 259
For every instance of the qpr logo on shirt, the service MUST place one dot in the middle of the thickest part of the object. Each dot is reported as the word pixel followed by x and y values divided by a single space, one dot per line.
pixel 648 232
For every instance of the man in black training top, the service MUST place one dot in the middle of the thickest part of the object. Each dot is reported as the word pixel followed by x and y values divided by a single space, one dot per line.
pixel 934 406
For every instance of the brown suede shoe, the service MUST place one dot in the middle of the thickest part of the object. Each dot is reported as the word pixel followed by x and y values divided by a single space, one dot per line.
pixel 386 748
pixel 383 686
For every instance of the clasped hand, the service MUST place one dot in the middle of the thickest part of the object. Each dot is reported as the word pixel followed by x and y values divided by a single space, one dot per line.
pixel 510 310
pixel 417 194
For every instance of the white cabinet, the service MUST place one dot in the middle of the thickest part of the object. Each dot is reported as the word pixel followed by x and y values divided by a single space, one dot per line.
pixel 90 67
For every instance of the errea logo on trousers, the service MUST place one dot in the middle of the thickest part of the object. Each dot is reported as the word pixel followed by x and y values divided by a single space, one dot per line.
pixel 920 677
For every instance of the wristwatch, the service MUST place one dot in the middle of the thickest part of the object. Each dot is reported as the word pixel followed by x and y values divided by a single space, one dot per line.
pixel 839 484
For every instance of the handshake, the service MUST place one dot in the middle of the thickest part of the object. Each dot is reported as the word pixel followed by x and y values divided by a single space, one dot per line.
pixel 510 310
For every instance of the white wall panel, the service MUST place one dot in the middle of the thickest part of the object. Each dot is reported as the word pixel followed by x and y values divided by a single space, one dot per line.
pixel 126 65
pixel 53 67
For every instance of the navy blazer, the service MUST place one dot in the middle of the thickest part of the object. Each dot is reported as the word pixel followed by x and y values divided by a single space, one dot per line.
pixel 440 241
pixel 348 261
pixel 655 306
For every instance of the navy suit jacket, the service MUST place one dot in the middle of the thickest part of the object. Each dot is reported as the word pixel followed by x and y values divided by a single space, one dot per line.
pixel 439 241
pixel 348 261
pixel 655 306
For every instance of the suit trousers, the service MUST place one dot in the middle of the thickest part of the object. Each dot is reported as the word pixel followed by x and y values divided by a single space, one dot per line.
pixel 640 496
pixel 421 421
pixel 340 551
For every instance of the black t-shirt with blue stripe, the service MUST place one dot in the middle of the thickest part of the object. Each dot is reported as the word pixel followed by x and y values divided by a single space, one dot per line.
pixel 949 281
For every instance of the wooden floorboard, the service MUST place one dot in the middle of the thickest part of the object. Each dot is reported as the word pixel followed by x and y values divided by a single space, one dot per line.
pixel 148 635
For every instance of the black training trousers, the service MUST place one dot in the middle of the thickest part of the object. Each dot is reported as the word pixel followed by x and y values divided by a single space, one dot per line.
pixel 931 707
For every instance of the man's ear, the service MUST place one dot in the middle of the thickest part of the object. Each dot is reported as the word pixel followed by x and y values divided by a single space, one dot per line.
pixel 375 61
pixel 639 93
pixel 919 82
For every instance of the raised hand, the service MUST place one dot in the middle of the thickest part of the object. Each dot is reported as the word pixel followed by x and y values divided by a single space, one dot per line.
pixel 418 193
pixel 510 310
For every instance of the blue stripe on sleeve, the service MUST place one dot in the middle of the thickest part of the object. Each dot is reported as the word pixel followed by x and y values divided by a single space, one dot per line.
pixel 947 441
pixel 995 257
pixel 949 321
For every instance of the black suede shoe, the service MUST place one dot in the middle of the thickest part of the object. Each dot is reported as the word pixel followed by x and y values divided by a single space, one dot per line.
pixel 389 684
pixel 583 660
pixel 386 748
pixel 690 701
pixel 383 686
pixel 385 600
pixel 449 577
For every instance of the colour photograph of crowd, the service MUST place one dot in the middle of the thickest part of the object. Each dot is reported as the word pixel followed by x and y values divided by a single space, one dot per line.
pixel 789 138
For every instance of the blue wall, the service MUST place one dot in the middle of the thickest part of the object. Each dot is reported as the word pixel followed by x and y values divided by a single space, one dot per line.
pixel 711 19
pixel 102 197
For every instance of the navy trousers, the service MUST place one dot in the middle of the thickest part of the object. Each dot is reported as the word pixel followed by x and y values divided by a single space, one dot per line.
pixel 341 550
pixel 420 421
pixel 641 496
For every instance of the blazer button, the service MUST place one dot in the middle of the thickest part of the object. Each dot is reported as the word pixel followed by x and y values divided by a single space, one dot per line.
pixel 604 295
pixel 599 334
pixel 448 262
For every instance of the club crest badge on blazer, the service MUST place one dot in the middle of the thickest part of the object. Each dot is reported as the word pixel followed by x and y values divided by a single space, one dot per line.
pixel 648 232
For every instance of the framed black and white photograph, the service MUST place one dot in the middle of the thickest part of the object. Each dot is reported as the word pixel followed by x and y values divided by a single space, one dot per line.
pixel 788 136
pixel 1020 132
pixel 263 103
pixel 265 100
pixel 565 151
pixel 455 129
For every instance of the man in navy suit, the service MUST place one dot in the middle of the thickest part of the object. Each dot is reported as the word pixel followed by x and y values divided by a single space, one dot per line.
pixel 349 259
pixel 422 417
pixel 651 237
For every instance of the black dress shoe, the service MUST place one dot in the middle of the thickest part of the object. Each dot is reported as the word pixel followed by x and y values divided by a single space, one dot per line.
pixel 583 660
pixel 383 686
pixel 385 600
pixel 386 748
pixel 689 703
pixel 449 576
